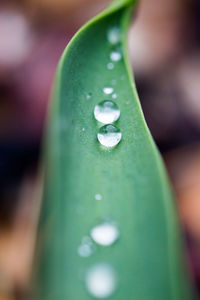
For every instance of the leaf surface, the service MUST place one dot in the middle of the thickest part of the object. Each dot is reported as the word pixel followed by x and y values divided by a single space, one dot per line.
pixel 130 179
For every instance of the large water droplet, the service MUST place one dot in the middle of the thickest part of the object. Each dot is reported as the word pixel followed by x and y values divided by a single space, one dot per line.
pixel 86 248
pixel 115 55
pixel 105 234
pixel 108 90
pixel 114 35
pixel 109 135
pixel 101 281
pixel 106 112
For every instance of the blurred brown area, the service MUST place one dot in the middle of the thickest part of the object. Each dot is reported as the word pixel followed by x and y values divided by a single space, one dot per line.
pixel 164 44
pixel 183 165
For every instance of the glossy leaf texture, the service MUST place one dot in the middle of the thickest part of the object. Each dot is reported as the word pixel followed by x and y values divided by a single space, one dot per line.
pixel 124 187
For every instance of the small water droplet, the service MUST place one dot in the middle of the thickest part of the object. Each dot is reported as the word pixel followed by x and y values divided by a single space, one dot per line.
pixel 101 281
pixel 98 197
pixel 115 55
pixel 114 35
pixel 86 248
pixel 114 96
pixel 89 95
pixel 110 66
pixel 105 234
pixel 108 90
pixel 109 135
pixel 83 129
pixel 106 112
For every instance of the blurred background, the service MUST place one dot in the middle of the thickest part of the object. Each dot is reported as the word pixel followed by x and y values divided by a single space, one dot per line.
pixel 164 43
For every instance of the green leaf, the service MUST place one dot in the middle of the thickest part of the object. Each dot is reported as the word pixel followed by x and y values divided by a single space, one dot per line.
pixel 145 262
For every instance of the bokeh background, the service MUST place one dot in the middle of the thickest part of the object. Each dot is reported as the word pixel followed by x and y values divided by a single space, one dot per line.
pixel 164 43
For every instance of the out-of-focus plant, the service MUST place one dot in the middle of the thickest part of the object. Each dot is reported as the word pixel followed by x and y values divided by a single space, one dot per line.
pixel 108 226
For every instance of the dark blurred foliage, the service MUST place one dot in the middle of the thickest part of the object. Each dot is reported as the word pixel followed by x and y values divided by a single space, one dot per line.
pixel 16 159
pixel 164 49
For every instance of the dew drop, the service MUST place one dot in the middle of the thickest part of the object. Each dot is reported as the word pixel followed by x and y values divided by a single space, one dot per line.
pixel 89 95
pixel 108 90
pixel 106 112
pixel 110 66
pixel 114 35
pixel 115 55
pixel 105 234
pixel 98 197
pixel 109 135
pixel 86 248
pixel 114 96
pixel 101 281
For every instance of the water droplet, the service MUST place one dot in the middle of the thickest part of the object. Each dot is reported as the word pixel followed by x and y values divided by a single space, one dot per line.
pixel 108 90
pixel 114 96
pixel 106 112
pixel 101 281
pixel 89 95
pixel 114 35
pixel 109 135
pixel 86 248
pixel 105 234
pixel 98 197
pixel 110 66
pixel 115 55
pixel 83 129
